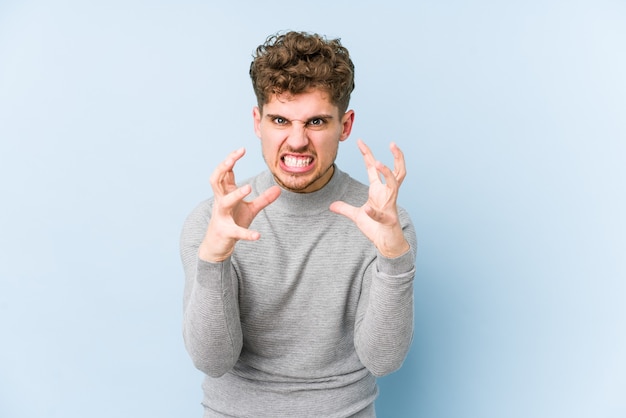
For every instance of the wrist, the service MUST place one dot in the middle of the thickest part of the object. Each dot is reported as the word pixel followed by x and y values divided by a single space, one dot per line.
pixel 395 250
pixel 207 252
pixel 393 244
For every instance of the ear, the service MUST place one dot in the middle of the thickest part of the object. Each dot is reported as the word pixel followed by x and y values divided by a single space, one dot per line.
pixel 256 116
pixel 346 125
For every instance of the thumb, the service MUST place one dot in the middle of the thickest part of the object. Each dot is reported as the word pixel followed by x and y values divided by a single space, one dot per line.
pixel 342 208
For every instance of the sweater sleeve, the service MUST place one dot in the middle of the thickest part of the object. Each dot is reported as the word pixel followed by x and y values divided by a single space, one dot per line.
pixel 211 324
pixel 384 323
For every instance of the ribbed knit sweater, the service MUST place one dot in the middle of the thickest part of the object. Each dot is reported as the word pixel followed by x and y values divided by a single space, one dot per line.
pixel 298 323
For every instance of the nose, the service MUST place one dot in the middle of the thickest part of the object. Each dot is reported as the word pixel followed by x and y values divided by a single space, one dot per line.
pixel 298 138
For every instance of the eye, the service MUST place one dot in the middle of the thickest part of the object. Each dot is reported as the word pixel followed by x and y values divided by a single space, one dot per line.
pixel 278 120
pixel 317 122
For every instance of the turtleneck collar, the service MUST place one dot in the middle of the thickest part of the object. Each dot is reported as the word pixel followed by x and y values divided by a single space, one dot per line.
pixel 306 203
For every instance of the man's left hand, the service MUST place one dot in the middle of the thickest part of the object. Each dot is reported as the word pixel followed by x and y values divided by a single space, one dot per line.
pixel 378 217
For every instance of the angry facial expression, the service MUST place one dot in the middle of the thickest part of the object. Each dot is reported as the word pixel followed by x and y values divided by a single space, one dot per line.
pixel 300 136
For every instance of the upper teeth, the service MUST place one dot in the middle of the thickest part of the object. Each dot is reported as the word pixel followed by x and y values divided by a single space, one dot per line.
pixel 291 161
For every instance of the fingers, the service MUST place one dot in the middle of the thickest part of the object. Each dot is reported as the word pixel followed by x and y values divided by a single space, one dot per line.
pixel 367 153
pixel 375 167
pixel 379 216
pixel 390 178
pixel 370 162
pixel 223 178
pixel 399 165
pixel 239 214
pixel 240 233
pixel 228 201
pixel 264 199
pixel 343 208
pixel 235 197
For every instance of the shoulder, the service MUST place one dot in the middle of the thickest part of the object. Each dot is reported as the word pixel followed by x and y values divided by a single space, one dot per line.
pixel 202 211
pixel 258 183
pixel 196 222
pixel 352 190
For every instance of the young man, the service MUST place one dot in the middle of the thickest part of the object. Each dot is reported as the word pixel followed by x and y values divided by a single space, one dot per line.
pixel 299 282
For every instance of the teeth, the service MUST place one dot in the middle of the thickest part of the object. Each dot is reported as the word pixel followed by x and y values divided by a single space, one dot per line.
pixel 291 161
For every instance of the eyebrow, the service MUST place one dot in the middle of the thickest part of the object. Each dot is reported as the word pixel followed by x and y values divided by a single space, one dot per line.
pixel 322 116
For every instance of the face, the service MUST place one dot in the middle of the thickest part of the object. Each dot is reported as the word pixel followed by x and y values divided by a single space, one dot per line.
pixel 300 136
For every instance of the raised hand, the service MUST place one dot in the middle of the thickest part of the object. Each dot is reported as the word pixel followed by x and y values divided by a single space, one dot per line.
pixel 378 217
pixel 231 215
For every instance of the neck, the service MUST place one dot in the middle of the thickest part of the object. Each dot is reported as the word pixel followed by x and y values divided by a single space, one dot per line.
pixel 301 203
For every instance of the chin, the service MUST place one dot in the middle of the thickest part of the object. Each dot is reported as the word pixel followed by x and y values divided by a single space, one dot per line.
pixel 301 183
pixel 295 184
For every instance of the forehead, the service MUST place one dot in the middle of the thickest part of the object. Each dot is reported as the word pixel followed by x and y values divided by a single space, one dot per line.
pixel 301 106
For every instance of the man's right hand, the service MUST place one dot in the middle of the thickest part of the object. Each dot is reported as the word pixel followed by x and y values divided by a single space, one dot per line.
pixel 231 215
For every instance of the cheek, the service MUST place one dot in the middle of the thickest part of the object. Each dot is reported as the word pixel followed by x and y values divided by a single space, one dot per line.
pixel 327 147
pixel 269 148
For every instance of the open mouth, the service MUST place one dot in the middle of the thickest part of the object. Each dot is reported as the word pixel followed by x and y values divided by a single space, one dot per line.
pixel 292 161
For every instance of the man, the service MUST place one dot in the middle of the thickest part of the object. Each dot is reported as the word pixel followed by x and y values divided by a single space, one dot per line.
pixel 299 282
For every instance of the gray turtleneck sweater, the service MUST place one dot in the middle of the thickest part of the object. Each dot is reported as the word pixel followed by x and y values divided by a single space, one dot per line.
pixel 298 323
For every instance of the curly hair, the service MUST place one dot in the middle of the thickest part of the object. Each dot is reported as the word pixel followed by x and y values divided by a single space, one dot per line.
pixel 295 62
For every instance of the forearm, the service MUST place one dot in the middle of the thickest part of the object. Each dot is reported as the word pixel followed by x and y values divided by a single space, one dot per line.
pixel 384 330
pixel 211 325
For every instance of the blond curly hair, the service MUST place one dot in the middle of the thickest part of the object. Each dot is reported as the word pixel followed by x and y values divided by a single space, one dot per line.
pixel 295 62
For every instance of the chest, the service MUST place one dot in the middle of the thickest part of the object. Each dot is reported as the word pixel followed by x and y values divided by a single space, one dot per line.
pixel 313 263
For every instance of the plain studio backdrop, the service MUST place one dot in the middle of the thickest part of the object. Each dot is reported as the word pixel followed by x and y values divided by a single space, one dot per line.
pixel 512 117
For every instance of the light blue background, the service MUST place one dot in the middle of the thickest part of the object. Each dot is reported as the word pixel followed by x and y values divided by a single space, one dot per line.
pixel 512 116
